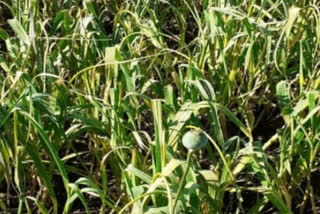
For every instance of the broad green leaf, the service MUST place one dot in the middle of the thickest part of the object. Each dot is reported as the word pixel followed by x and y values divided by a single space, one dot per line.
pixel 18 29
pixel 284 100
pixel 143 176
pixel 160 147
pixel 293 15
pixel 171 166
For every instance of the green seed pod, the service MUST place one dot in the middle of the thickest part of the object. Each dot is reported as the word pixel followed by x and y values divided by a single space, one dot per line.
pixel 194 139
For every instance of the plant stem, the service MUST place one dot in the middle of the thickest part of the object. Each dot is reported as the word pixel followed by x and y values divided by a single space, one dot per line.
pixel 183 179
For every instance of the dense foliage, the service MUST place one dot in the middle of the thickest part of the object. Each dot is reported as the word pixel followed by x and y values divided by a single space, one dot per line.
pixel 96 95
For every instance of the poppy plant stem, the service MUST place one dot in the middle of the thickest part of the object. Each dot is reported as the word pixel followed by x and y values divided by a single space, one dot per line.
pixel 183 179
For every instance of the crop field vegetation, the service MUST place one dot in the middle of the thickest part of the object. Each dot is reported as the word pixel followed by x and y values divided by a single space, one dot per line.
pixel 160 106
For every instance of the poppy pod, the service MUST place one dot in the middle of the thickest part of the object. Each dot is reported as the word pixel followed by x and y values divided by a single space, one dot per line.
pixel 194 139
